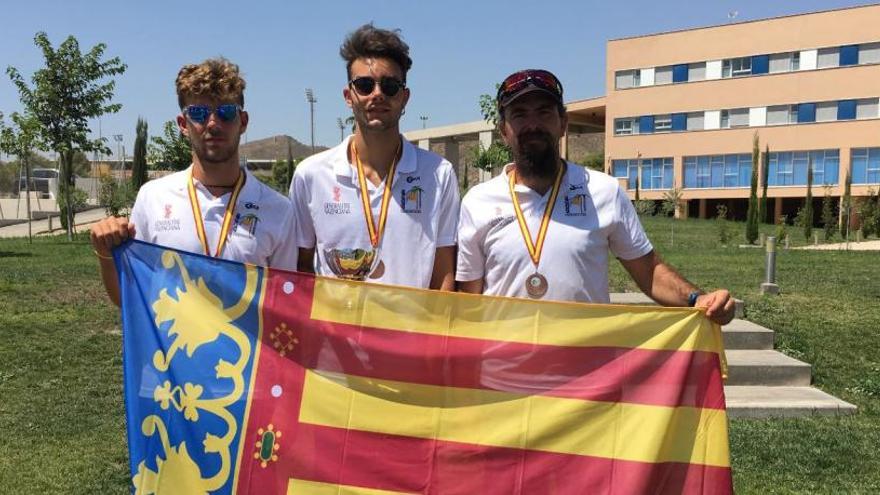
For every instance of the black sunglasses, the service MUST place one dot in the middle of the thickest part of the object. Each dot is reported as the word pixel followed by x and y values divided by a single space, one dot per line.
pixel 201 113
pixel 364 85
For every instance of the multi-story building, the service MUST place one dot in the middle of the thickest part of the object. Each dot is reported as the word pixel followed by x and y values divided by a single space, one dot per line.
pixel 683 108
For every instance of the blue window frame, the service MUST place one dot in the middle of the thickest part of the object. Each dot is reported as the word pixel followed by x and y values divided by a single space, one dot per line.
pixel 656 173
pixel 717 171
pixel 646 124
pixel 680 73
pixel 679 122
pixel 806 112
pixel 760 64
pixel 846 109
pixel 849 55
pixel 789 168
pixel 626 168
pixel 865 165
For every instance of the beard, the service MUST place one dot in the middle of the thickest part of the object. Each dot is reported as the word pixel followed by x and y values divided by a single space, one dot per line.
pixel 215 155
pixel 536 153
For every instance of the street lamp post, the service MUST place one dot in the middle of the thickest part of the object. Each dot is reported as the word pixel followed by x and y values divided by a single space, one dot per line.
pixel 424 119
pixel 341 125
pixel 118 139
pixel 310 97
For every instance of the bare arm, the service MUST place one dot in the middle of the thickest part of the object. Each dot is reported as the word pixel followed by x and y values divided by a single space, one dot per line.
pixel 667 287
pixel 306 261
pixel 443 276
pixel 106 235
pixel 471 286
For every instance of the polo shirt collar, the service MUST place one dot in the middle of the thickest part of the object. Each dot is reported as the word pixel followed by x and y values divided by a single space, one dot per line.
pixel 342 167
pixel 574 176
pixel 250 182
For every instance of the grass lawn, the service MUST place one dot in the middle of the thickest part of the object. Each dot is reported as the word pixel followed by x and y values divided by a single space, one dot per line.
pixel 62 419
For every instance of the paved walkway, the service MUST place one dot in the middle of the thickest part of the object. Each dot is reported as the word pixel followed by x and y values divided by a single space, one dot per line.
pixel 850 246
pixel 41 227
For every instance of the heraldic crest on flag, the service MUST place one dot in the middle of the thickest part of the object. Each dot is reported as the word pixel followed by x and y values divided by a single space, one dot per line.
pixel 241 379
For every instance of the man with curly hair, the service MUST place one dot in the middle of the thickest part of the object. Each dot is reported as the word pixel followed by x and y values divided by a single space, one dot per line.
pixel 376 191
pixel 215 207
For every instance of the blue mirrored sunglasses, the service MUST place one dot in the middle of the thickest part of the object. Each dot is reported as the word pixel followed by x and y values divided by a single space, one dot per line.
pixel 201 113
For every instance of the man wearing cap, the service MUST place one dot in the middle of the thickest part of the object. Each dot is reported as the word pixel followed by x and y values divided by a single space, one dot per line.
pixel 376 192
pixel 544 227
pixel 215 207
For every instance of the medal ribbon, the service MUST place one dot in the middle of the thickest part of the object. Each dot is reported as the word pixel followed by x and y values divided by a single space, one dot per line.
pixel 536 247
pixel 227 217
pixel 375 232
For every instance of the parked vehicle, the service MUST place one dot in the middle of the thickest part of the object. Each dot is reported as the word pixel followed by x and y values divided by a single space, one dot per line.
pixel 40 178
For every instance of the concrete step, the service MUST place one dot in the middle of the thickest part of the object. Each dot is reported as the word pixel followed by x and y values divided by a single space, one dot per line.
pixel 782 402
pixel 743 334
pixel 766 367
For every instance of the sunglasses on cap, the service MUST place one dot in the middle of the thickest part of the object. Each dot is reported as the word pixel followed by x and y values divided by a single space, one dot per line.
pixel 201 113
pixel 518 81
pixel 389 86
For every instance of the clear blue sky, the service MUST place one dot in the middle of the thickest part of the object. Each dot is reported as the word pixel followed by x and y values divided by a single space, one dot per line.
pixel 460 49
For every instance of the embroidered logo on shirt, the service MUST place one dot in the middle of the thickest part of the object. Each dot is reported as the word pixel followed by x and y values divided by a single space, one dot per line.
pixel 167 211
pixel 411 179
pixel 576 205
pixel 411 199
pixel 575 187
pixel 248 222
pixel 337 194
pixel 250 205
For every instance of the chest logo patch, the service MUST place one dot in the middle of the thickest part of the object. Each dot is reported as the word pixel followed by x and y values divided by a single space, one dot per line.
pixel 411 199
pixel 576 205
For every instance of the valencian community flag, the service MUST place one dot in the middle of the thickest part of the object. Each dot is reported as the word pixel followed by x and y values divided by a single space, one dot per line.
pixel 241 379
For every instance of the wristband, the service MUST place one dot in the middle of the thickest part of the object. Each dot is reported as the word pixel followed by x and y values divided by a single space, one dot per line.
pixel 101 256
pixel 692 298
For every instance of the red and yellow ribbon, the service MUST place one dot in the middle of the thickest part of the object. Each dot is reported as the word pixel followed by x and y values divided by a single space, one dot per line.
pixel 375 232
pixel 227 217
pixel 536 247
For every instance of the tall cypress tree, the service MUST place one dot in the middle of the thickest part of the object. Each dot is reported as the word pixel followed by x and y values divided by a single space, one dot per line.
pixel 808 202
pixel 139 165
pixel 752 214
pixel 845 204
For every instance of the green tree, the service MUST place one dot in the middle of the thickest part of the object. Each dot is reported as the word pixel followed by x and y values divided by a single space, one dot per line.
pixel 171 151
pixel 488 107
pixel 808 202
pixel 867 208
pixel 829 221
pixel 765 171
pixel 753 210
pixel 846 206
pixel 594 160
pixel 67 92
pixel 20 139
pixel 139 165
pixel 497 154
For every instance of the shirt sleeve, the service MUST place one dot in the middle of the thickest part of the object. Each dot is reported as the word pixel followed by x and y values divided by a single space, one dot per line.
pixel 138 216
pixel 471 263
pixel 628 240
pixel 286 253
pixel 449 204
pixel 300 197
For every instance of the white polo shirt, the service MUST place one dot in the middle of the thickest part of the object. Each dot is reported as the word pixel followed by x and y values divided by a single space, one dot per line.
pixel 592 216
pixel 262 230
pixel 422 213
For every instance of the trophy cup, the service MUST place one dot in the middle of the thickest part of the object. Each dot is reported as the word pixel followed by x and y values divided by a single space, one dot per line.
pixel 352 263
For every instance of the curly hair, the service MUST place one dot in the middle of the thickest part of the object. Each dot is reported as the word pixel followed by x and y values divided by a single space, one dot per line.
pixel 369 41
pixel 215 78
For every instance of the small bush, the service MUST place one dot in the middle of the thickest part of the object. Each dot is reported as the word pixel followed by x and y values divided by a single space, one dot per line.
pixel 723 226
pixel 116 198
pixel 645 207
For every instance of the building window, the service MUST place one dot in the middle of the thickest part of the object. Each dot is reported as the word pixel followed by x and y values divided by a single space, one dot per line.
pixel 624 79
pixel 725 119
pixel 806 112
pixel 646 124
pixel 625 127
pixel 865 165
pixel 849 55
pixel 717 171
pixel 789 168
pixel 628 169
pixel 760 64
pixel 663 123
pixel 795 61
pixel 680 73
pixel 736 67
pixel 846 109
pixel 656 173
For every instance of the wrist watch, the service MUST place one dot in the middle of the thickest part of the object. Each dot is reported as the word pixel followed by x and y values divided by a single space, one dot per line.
pixel 692 298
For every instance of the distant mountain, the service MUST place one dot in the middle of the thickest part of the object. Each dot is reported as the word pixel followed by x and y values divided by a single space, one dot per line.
pixel 275 148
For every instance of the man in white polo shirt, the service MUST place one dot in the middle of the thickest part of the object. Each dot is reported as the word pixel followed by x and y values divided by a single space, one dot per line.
pixel 544 227
pixel 376 191
pixel 215 207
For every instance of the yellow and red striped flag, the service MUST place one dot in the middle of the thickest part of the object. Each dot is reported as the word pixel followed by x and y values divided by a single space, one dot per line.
pixel 246 380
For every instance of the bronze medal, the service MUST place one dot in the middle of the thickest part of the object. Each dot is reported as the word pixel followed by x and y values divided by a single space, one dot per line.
pixel 536 285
